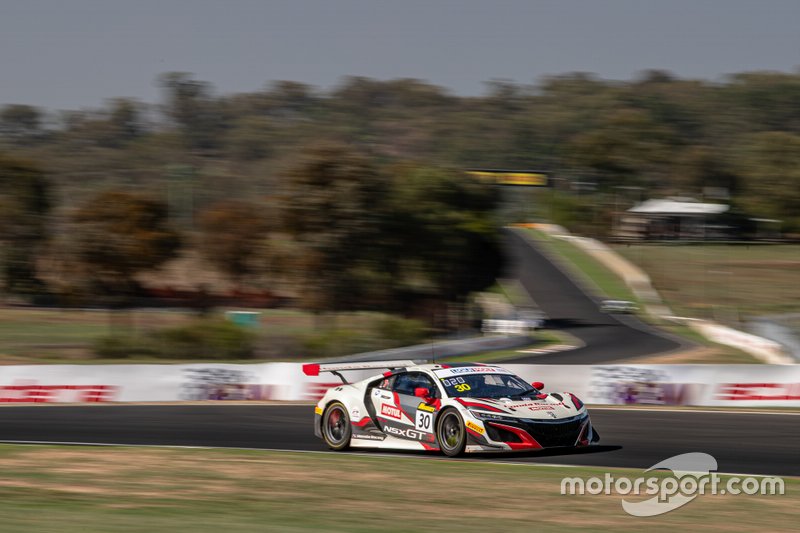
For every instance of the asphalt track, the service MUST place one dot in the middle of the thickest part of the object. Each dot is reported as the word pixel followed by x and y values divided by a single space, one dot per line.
pixel 570 308
pixel 747 443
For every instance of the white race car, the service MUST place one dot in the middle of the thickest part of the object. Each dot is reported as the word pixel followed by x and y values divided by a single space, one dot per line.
pixel 455 408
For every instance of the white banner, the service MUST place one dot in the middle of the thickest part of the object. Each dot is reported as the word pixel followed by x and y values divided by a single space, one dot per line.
pixel 699 385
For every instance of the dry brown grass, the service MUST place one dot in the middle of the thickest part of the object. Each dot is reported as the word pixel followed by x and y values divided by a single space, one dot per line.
pixel 339 493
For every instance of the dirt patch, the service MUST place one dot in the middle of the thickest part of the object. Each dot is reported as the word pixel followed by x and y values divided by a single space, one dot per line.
pixel 695 355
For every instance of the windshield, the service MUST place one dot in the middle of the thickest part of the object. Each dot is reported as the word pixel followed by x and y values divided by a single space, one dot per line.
pixel 487 386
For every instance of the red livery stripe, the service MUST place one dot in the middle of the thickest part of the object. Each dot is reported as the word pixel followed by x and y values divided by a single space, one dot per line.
pixel 477 405
pixel 528 442
pixel 363 422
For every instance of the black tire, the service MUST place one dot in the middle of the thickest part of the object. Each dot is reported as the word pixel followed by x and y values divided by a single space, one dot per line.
pixel 336 428
pixel 451 433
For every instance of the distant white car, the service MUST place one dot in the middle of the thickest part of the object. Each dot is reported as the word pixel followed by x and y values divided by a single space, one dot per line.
pixel 453 408
pixel 618 306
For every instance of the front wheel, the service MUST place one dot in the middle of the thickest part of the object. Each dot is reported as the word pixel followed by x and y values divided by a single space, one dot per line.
pixel 336 427
pixel 450 433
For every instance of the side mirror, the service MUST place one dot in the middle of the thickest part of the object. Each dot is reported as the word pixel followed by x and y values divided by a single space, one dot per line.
pixel 538 385
pixel 422 392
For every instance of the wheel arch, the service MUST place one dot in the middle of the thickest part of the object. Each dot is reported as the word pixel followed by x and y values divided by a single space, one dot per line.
pixel 349 400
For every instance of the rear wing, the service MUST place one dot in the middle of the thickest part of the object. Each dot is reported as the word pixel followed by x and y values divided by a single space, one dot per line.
pixel 313 369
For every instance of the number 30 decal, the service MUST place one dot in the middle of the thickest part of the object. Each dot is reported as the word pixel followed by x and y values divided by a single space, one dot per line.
pixel 461 387
pixel 424 421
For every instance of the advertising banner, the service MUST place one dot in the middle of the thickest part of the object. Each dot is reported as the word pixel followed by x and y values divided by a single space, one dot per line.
pixel 691 385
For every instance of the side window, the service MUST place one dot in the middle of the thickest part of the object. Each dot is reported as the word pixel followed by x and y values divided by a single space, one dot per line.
pixel 404 384
pixel 386 383
pixel 407 383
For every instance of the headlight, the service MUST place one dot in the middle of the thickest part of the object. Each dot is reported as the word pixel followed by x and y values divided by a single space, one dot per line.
pixel 492 416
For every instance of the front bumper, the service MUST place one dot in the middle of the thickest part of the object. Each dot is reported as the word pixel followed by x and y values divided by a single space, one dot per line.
pixel 533 434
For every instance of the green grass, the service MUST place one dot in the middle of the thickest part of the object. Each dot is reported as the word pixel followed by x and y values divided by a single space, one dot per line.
pixel 34 335
pixel 606 283
pixel 723 282
pixel 109 490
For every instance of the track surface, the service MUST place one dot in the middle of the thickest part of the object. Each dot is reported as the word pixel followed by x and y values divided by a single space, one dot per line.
pixel 606 337
pixel 751 443
pixel 741 443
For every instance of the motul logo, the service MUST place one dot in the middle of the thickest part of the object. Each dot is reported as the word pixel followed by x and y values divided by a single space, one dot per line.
pixel 390 411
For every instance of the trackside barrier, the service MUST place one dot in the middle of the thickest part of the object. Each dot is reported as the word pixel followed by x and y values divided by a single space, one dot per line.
pixel 697 385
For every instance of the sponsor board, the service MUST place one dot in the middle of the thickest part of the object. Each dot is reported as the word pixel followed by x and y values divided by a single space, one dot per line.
pixel 511 177
pixel 34 393
pixel 697 385
pixel 758 392
pixel 475 427
pixel 391 411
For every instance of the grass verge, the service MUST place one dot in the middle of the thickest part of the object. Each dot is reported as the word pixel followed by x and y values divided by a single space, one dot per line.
pixel 722 282
pixel 57 336
pixel 606 284
pixel 78 489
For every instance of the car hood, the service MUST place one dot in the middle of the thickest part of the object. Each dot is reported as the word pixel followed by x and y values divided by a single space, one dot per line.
pixel 549 407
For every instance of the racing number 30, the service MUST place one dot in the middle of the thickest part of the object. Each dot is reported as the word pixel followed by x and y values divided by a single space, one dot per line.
pixel 424 421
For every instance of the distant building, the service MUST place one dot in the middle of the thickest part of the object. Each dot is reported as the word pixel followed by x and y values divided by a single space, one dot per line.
pixel 672 218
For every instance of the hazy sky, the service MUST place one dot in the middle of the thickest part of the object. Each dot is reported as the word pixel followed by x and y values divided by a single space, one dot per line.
pixel 67 54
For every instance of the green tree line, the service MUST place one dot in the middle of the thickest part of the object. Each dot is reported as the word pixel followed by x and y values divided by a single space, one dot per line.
pixel 362 183
pixel 665 134
pixel 344 233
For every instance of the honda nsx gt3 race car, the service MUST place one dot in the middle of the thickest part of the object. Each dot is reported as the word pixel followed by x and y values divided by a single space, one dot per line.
pixel 455 408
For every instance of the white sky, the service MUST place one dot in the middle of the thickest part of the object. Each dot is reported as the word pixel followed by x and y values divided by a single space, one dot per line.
pixel 67 54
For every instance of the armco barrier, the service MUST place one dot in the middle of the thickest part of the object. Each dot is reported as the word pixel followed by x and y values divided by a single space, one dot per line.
pixel 698 385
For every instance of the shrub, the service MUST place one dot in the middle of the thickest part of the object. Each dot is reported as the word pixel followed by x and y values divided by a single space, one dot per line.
pixel 206 339
pixel 202 339
pixel 336 342
pixel 386 332
pixel 120 346
pixel 396 331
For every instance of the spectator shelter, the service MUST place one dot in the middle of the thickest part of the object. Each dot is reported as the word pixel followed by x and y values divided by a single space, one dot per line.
pixel 672 218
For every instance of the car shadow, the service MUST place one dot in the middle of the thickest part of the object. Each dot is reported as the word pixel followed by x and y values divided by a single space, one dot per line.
pixel 556 452
pixel 549 452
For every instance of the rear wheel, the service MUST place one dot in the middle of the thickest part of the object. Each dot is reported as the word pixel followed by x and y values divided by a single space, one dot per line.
pixel 450 433
pixel 336 426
